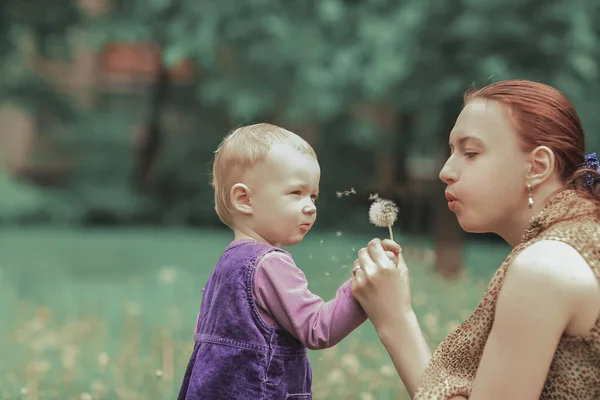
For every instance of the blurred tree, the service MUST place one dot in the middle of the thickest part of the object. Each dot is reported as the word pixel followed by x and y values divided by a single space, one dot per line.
pixel 369 83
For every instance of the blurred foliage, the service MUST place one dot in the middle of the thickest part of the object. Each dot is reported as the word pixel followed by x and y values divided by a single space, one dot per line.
pixel 356 77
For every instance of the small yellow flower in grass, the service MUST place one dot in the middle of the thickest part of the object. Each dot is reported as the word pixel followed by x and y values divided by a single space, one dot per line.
pixel 351 363
pixel 388 371
pixel 383 213
pixel 366 396
pixel 451 326
pixel 133 308
pixel 167 275
pixel 103 359
pixel 431 322
pixel 336 376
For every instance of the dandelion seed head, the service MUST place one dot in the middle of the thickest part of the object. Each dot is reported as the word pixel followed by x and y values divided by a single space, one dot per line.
pixel 383 213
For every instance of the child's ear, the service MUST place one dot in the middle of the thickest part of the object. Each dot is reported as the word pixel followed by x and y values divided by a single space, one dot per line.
pixel 240 198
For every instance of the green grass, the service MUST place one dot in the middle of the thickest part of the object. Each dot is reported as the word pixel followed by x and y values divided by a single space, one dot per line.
pixel 109 314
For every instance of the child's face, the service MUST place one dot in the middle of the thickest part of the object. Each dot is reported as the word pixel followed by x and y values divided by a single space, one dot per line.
pixel 283 193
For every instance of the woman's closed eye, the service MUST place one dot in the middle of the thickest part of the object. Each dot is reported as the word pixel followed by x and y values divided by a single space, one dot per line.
pixel 470 154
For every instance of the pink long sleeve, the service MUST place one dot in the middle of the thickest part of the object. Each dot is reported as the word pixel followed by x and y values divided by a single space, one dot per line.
pixel 282 296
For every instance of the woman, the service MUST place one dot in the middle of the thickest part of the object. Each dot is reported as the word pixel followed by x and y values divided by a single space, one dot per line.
pixel 517 168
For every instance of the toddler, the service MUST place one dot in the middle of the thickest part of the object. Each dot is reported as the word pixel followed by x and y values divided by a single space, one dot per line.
pixel 257 316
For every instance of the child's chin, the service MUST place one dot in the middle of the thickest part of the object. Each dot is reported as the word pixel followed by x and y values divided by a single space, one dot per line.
pixel 292 241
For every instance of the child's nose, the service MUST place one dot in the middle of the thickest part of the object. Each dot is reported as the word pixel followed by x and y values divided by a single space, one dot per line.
pixel 309 209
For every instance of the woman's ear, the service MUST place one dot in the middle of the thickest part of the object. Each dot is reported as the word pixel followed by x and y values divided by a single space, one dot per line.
pixel 541 165
pixel 240 198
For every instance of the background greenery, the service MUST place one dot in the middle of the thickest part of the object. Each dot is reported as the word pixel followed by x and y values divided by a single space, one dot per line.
pixel 102 312
pixel 108 230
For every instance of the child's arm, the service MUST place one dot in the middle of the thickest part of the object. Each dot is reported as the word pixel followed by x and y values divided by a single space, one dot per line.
pixel 281 290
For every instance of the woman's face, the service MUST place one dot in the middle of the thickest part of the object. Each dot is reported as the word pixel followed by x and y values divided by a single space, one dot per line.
pixel 485 173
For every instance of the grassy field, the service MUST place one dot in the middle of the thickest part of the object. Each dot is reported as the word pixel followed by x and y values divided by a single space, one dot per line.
pixel 109 314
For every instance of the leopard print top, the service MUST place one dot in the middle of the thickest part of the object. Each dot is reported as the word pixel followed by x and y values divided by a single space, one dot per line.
pixel 575 370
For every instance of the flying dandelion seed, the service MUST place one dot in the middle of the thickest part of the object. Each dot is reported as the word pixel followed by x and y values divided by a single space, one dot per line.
pixel 383 213
pixel 310 257
pixel 373 196
pixel 338 233
pixel 345 192
pixel 322 241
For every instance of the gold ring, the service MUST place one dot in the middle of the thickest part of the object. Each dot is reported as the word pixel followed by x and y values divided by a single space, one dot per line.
pixel 355 269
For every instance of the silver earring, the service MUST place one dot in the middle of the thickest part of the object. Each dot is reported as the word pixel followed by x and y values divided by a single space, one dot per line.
pixel 530 199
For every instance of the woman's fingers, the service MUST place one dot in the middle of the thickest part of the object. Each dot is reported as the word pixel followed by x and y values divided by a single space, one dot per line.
pixel 392 246
pixel 365 260
pixel 378 254
pixel 392 256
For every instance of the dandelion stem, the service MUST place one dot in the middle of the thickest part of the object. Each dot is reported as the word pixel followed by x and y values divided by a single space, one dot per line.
pixel 391 233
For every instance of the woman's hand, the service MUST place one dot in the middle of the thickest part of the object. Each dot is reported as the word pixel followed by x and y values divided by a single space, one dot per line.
pixel 380 282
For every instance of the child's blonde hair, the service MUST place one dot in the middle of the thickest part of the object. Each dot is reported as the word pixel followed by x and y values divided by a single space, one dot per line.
pixel 242 149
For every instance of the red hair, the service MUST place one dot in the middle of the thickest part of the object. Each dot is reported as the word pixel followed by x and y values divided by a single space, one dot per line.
pixel 543 116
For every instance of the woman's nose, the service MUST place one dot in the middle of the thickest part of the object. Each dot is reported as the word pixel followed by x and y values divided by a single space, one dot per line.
pixel 448 174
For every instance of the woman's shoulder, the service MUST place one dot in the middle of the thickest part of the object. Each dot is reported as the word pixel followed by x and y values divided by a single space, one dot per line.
pixel 552 268
pixel 556 263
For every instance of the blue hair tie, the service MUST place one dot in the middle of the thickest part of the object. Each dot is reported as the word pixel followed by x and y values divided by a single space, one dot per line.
pixel 591 162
